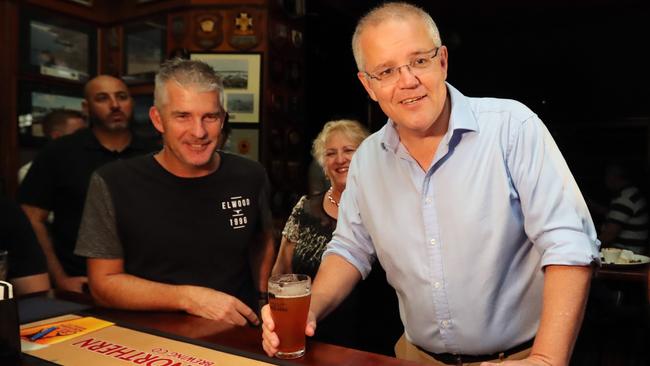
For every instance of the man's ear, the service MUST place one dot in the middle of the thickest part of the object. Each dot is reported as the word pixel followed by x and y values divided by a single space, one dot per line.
pixel 442 53
pixel 156 119
pixel 364 81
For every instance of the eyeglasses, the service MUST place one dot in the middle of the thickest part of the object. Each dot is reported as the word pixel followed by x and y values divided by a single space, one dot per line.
pixel 417 66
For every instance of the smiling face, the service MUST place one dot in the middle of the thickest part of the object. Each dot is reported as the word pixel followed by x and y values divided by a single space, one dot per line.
pixel 107 103
pixel 414 103
pixel 190 122
pixel 339 149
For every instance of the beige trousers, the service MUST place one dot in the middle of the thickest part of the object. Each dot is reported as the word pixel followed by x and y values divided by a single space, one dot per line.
pixel 405 350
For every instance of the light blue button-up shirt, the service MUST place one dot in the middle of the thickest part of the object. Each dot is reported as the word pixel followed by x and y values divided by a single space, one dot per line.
pixel 464 243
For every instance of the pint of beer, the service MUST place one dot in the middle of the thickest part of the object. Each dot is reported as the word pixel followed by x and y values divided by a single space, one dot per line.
pixel 289 296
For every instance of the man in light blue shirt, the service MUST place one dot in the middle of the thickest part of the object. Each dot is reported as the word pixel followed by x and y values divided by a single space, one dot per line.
pixel 468 205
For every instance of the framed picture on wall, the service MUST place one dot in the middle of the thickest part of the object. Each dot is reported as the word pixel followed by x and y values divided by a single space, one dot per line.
pixel 57 46
pixel 144 49
pixel 35 100
pixel 244 142
pixel 241 74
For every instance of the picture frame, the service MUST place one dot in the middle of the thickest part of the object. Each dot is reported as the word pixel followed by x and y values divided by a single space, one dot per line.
pixel 57 46
pixel 144 50
pixel 35 100
pixel 244 142
pixel 241 74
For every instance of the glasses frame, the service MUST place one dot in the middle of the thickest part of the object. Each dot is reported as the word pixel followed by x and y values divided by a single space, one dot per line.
pixel 409 65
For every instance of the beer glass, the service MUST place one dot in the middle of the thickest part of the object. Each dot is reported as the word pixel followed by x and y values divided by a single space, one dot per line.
pixel 289 297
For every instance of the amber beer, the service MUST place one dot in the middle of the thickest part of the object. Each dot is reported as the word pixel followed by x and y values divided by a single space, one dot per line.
pixel 289 297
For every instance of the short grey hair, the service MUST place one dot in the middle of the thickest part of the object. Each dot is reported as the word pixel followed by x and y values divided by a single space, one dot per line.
pixel 186 73
pixel 391 11
pixel 351 129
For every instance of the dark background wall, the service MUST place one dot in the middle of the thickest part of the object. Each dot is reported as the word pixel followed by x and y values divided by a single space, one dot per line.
pixel 582 66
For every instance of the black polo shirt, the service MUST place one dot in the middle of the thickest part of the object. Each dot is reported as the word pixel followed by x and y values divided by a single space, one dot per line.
pixel 58 181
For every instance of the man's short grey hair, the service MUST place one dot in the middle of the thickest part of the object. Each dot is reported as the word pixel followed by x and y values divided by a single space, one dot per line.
pixel 186 73
pixel 391 11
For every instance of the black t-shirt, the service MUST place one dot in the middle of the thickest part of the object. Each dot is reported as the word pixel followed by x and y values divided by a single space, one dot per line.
pixel 17 237
pixel 58 181
pixel 191 231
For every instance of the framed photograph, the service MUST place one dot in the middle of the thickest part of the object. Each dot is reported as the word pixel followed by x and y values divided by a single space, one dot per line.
pixel 144 49
pixel 244 142
pixel 241 74
pixel 57 46
pixel 35 100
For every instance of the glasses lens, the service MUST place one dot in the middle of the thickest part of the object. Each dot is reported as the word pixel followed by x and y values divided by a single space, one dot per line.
pixel 417 66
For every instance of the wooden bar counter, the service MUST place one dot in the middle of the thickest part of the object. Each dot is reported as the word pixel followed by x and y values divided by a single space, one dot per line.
pixel 204 332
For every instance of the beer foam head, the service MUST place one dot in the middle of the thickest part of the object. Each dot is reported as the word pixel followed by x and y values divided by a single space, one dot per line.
pixel 289 285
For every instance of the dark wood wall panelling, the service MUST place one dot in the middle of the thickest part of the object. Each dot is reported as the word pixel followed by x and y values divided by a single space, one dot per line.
pixel 285 101
pixel 8 98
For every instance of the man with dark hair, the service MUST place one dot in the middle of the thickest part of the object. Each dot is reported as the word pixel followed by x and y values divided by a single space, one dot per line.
pixel 188 228
pixel 58 179
pixel 61 122
pixel 57 123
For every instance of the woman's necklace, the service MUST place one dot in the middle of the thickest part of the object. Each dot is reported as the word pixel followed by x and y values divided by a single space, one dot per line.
pixel 329 197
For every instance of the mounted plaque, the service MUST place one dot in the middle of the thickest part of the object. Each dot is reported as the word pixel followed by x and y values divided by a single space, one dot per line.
pixel 247 29
pixel 208 30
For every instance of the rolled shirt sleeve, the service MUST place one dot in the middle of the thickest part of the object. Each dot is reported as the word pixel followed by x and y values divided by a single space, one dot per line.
pixel 556 218
pixel 351 239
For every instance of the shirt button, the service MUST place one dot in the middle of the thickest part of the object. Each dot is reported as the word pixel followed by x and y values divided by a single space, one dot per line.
pixel 445 323
pixel 436 285
pixel 433 241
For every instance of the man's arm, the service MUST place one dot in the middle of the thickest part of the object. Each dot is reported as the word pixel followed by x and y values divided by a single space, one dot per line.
pixel 565 297
pixel 262 256
pixel 38 217
pixel 335 279
pixel 110 286
pixel 28 284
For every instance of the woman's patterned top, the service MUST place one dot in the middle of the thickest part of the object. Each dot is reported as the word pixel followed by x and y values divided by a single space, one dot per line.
pixel 310 228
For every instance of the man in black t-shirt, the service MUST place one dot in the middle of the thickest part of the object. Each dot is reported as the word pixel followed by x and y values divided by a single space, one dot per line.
pixel 187 228
pixel 58 179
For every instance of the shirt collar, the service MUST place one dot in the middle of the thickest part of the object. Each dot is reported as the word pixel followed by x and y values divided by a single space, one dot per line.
pixel 91 141
pixel 461 120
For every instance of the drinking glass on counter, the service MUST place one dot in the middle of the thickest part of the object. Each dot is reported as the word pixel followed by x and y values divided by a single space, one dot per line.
pixel 289 298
